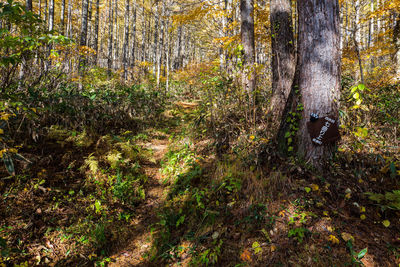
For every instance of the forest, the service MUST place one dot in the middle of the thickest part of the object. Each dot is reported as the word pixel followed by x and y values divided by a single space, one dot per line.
pixel 199 133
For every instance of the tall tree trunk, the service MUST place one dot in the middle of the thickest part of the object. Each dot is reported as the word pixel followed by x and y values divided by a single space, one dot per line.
pixel 396 41
pixel 133 53
pixel 160 45
pixel 283 55
pixel 28 5
pixel 62 16
pixel 317 75
pixel 143 58
pixel 155 43
pixel 84 29
pixel 96 31
pixel 69 19
pixel 116 36
pixel 248 42
pixel 51 15
pixel 357 39
pixel 126 40
pixel 45 12
pixel 89 23
pixel 110 36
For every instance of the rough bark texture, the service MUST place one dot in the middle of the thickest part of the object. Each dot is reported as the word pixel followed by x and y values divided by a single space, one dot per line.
pixel 248 42
pixel 62 16
pixel 96 31
pixel 133 53
pixel 84 31
pixel 51 15
pixel 126 39
pixel 283 55
pixel 110 36
pixel 396 41
pixel 319 70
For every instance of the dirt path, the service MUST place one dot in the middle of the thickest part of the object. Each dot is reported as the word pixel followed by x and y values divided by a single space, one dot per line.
pixel 140 237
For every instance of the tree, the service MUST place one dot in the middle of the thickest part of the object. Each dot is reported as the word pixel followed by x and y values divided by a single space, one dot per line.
pixel 96 31
pixel 126 39
pixel 248 42
pixel 84 29
pixel 29 5
pixel 283 54
pixel 317 77
pixel 110 36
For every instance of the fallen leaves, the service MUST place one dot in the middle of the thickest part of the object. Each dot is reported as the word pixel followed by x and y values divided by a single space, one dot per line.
pixel 386 223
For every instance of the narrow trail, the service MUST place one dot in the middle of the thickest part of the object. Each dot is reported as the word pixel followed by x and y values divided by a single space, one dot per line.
pixel 132 254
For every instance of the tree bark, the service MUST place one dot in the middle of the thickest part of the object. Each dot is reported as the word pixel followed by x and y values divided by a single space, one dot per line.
pixel 319 71
pixel 283 55
pixel 62 16
pixel 126 40
pixel 84 29
pixel 133 53
pixel 28 5
pixel 248 42
pixel 69 19
pixel 51 15
pixel 96 31
pixel 110 36
pixel 396 41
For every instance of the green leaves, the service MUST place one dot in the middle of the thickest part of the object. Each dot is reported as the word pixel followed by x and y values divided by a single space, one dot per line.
pixel 9 164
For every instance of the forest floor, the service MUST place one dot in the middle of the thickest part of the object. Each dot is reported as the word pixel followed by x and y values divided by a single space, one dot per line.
pixel 160 196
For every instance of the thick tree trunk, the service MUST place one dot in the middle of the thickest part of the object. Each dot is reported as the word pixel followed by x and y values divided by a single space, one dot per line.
pixel 283 55
pixel 319 71
pixel 126 40
pixel 248 42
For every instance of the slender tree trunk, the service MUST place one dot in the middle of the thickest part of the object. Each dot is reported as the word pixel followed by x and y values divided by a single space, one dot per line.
pixel 69 19
pixel 84 29
pixel 317 77
pixel 96 32
pixel 396 41
pixel 40 9
pixel 116 36
pixel 51 15
pixel 155 43
pixel 133 56
pixel 45 12
pixel 357 39
pixel 126 39
pixel 62 16
pixel 283 55
pixel 28 5
pixel 110 36
pixel 248 42
pixel 143 58
pixel 89 23
pixel 160 45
